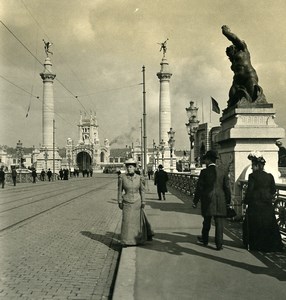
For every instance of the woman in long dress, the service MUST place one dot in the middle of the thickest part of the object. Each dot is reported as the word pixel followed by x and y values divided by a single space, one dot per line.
pixel 260 229
pixel 135 228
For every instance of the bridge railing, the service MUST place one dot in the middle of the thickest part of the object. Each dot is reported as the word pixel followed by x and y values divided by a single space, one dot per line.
pixel 186 183
pixel 279 203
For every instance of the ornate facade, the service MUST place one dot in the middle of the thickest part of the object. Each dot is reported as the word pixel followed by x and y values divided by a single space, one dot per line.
pixel 87 153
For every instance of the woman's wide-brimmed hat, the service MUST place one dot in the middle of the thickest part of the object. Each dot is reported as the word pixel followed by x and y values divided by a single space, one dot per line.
pixel 130 161
pixel 256 157
pixel 211 154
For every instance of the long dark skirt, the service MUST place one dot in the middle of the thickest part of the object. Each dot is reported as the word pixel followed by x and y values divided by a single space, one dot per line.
pixel 260 229
pixel 135 228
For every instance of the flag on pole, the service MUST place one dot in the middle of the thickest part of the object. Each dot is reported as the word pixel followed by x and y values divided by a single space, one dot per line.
pixel 215 106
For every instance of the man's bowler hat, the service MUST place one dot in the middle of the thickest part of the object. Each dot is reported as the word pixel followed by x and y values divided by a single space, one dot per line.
pixel 211 154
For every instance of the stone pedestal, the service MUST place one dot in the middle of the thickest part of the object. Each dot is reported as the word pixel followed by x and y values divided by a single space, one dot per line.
pixel 169 164
pixel 245 129
pixel 45 160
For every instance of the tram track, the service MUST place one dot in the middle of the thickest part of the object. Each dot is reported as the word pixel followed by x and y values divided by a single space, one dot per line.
pixel 29 197
pixel 51 208
pixel 38 200
pixel 32 187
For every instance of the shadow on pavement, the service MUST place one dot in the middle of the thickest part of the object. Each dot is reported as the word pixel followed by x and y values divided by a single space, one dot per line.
pixel 174 207
pixel 110 239
pixel 171 245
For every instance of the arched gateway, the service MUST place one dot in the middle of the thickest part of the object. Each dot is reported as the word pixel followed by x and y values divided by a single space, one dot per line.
pixel 88 153
pixel 83 161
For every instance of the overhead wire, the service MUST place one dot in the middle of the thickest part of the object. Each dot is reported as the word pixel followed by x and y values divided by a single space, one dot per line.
pixel 10 31
pixel 74 74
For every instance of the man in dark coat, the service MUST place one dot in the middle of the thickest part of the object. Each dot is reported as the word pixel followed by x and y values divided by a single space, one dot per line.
pixel 49 174
pixel 14 175
pixel 161 178
pixel 214 193
pixel 34 175
pixel 2 177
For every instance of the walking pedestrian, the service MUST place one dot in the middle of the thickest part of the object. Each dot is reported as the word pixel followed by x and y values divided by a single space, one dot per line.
pixel 61 172
pixel 34 175
pixel 214 193
pixel 161 178
pixel 43 175
pixel 66 174
pixel 14 175
pixel 135 228
pixel 260 228
pixel 49 174
pixel 2 177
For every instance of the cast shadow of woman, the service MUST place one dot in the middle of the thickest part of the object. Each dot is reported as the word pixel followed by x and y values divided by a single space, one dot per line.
pixel 110 239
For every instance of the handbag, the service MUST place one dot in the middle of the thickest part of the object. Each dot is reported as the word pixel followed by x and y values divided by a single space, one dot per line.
pixel 230 212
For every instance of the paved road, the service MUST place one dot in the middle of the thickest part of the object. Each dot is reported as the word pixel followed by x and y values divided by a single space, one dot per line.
pixel 59 240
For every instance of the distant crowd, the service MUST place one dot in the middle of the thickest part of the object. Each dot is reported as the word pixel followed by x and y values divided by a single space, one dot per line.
pixel 64 174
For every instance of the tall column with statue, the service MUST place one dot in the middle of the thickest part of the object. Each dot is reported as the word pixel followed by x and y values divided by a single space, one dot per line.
pixel 164 106
pixel 48 152
pixel 248 122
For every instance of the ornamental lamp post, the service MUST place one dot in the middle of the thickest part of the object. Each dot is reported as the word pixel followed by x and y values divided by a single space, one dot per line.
pixel 171 142
pixel 20 153
pixel 69 160
pixel 157 156
pixel 162 150
pixel 46 155
pixel 192 127
pixel 154 152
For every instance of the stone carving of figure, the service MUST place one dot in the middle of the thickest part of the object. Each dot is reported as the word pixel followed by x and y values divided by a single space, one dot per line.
pixel 106 143
pixel 163 47
pixel 245 80
pixel 47 47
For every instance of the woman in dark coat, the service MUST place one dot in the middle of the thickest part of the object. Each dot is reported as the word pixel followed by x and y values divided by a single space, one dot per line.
pixel 260 228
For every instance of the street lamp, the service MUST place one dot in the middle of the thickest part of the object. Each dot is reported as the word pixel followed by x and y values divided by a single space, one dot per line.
pixel 46 155
pixel 162 150
pixel 157 153
pixel 20 153
pixel 154 151
pixel 69 160
pixel 192 127
pixel 171 142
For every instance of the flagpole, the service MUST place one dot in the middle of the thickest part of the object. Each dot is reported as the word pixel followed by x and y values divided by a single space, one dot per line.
pixel 203 119
pixel 210 113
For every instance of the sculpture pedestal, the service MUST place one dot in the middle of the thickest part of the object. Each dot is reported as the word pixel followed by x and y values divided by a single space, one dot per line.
pixel 243 130
pixel 45 160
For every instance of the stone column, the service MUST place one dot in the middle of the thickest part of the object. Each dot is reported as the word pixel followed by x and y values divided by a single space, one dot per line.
pixel 164 101
pixel 165 109
pixel 47 155
pixel 48 105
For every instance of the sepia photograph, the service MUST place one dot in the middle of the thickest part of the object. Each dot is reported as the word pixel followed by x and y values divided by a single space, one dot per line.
pixel 142 149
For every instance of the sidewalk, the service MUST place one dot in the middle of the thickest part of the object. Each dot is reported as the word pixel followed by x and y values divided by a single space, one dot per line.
pixel 173 266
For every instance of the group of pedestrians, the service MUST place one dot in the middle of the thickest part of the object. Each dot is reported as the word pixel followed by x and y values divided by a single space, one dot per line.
pixel 3 175
pixel 260 228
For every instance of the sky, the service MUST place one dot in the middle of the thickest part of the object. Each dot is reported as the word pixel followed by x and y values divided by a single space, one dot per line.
pixel 99 48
